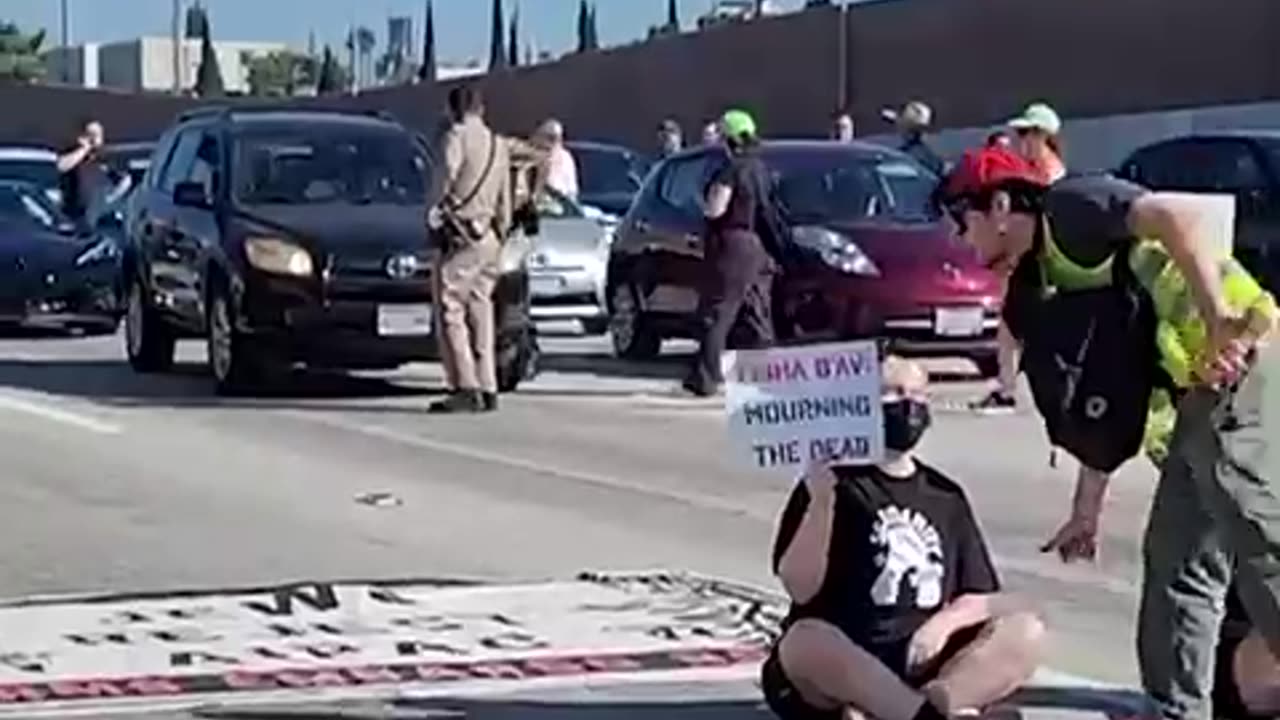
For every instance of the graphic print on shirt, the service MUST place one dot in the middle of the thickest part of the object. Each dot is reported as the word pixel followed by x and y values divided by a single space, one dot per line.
pixel 910 550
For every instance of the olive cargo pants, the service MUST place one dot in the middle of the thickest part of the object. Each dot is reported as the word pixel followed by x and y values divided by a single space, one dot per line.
pixel 1218 498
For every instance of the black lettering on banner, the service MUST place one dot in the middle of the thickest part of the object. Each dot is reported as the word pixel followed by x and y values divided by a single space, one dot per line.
pixel 513 641
pixel 427 623
pixel 184 635
pixel 349 628
pixel 389 596
pixel 27 662
pixel 93 639
pixel 319 596
pixel 282 630
pixel 418 647
pixel 188 658
pixel 326 651
pixel 839 448
pixel 785 453
pixel 787 411
pixel 269 653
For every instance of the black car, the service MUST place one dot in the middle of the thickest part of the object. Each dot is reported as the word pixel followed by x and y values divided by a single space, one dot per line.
pixel 1243 164
pixel 288 238
pixel 609 176
pixel 56 273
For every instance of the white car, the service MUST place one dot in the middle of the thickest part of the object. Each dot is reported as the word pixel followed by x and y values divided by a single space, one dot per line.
pixel 569 261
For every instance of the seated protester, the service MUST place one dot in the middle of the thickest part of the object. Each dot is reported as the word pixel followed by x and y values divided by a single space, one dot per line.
pixel 896 610
pixel 1247 681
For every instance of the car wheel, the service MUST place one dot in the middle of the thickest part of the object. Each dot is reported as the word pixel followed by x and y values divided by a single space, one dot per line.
pixel 234 363
pixel 988 365
pixel 517 361
pixel 633 336
pixel 148 342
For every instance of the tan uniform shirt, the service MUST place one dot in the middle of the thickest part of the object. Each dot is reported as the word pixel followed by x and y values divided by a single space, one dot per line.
pixel 466 153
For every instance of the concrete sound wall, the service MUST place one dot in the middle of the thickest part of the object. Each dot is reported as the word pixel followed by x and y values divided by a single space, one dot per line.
pixel 975 61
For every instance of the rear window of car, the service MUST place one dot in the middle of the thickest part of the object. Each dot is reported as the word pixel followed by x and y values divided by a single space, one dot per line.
pixel 297 166
pixel 852 188
pixel 42 173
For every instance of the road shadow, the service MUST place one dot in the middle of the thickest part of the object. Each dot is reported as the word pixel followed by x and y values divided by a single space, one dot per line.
pixel 114 383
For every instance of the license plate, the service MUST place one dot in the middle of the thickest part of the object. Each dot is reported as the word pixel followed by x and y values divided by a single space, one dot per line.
pixel 545 285
pixel 399 320
pixel 958 322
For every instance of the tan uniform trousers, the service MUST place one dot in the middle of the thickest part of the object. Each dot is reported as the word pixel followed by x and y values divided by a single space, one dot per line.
pixel 462 283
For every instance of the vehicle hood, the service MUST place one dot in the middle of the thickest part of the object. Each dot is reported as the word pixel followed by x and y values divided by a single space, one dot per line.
pixel 345 229
pixel 38 249
pixel 568 238
pixel 915 249
pixel 614 203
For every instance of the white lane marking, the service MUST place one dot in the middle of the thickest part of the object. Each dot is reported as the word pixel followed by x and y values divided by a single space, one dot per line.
pixel 49 412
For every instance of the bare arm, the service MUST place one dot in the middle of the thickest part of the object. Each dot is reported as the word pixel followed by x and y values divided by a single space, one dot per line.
pixel 975 609
pixel 71 159
pixel 1173 219
pixel 717 201
pixel 803 566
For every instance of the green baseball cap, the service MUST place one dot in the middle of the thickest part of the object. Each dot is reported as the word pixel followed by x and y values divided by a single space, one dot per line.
pixel 738 124
pixel 1038 116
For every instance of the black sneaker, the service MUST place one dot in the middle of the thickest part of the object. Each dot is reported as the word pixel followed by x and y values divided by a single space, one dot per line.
pixel 995 403
pixel 459 401
pixel 489 401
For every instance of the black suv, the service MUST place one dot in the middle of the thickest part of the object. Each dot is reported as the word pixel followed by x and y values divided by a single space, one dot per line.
pixel 287 238
pixel 1245 164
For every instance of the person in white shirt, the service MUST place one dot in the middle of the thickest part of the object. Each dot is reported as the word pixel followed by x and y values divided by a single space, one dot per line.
pixel 562 169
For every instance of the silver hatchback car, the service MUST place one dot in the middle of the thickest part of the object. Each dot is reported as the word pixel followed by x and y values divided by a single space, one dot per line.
pixel 569 262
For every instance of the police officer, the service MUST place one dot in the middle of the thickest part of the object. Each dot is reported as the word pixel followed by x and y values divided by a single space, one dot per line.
pixel 739 269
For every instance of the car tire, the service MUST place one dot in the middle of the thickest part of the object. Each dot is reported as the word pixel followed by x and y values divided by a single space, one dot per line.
pixel 235 364
pixel 516 361
pixel 631 332
pixel 988 365
pixel 148 341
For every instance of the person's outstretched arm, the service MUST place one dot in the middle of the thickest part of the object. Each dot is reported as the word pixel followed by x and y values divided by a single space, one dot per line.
pixel 802 564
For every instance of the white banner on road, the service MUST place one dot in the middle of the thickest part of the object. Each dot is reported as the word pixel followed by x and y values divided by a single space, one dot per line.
pixel 790 405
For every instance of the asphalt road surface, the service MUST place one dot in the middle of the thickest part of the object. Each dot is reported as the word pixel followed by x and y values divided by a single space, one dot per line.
pixel 115 481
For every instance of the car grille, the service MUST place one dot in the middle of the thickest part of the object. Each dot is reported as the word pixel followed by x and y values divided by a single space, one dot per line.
pixel 366 278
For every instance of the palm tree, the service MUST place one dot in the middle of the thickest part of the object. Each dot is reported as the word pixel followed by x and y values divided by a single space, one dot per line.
pixel 497 55
pixel 427 73
pixel 513 39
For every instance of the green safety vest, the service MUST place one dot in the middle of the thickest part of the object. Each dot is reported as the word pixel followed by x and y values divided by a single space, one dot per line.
pixel 1181 336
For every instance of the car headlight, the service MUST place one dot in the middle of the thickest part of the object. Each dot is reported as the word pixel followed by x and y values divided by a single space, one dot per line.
pixel 835 249
pixel 278 256
pixel 101 251
pixel 515 253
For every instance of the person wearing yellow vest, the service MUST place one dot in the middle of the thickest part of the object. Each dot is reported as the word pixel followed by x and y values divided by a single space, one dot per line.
pixel 1218 497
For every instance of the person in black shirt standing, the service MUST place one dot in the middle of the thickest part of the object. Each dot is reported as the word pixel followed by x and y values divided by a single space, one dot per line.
pixel 896 609
pixel 76 165
pixel 739 269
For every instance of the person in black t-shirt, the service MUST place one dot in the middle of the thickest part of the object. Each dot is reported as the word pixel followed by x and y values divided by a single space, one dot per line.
pixel 76 166
pixel 896 609
pixel 738 282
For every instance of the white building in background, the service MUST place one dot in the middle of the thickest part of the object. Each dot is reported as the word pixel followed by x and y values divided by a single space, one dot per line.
pixel 146 64
pixel 737 10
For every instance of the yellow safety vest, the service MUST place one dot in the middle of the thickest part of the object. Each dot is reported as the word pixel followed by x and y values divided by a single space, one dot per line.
pixel 1181 336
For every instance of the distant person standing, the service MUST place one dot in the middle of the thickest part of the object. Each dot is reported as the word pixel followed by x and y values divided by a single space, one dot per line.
pixel 711 134
pixel 467 225
pixel 562 169
pixel 76 168
pixel 738 274
pixel 842 127
pixel 670 138
pixel 913 121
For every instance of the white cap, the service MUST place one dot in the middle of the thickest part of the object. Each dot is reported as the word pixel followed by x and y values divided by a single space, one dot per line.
pixel 1038 116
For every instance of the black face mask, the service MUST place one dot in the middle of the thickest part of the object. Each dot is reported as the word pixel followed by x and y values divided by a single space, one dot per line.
pixel 904 424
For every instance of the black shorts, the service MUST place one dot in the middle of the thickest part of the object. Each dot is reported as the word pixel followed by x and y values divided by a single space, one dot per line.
pixel 787 703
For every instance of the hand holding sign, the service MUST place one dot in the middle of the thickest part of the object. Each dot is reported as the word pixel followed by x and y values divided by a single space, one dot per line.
pixel 791 406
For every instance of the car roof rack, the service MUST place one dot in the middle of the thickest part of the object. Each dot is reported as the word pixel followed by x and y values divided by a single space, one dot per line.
pixel 213 111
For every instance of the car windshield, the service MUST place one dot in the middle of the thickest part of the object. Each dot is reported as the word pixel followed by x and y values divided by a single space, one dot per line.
pixel 26 206
pixel 608 172
pixel 305 167
pixel 43 173
pixel 840 189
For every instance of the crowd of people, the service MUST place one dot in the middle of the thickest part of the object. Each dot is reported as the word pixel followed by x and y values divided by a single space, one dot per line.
pixel 897 612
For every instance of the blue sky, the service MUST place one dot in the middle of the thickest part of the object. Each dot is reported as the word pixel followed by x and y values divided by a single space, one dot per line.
pixel 462 26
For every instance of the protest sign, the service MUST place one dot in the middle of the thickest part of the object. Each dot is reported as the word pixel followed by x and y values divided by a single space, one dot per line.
pixel 788 406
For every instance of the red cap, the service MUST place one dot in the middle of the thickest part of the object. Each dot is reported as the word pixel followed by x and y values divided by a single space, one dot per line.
pixel 986 167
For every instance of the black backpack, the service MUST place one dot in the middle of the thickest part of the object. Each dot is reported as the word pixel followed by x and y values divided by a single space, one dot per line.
pixel 1090 357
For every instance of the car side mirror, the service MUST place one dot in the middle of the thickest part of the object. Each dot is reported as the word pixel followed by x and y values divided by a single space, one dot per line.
pixel 190 194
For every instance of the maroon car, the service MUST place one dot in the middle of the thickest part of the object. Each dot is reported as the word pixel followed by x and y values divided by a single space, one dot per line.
pixel 869 256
